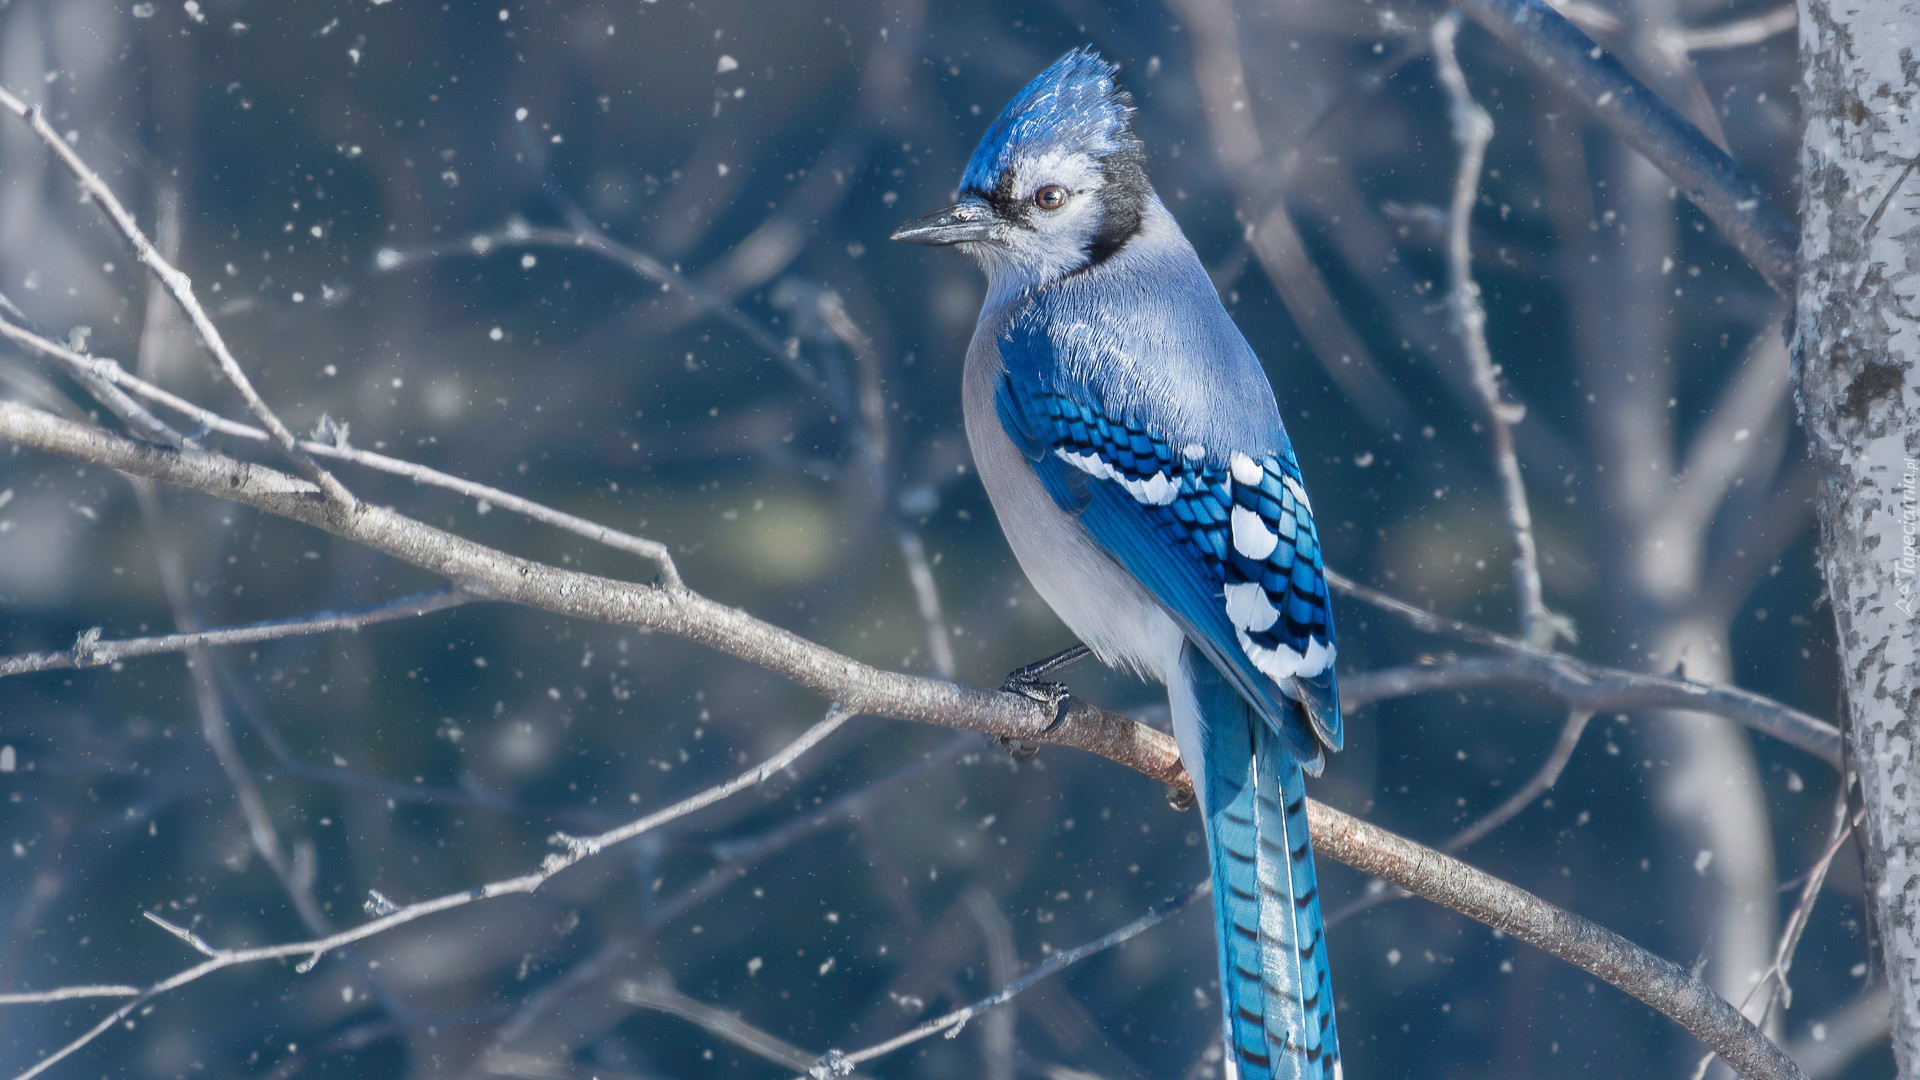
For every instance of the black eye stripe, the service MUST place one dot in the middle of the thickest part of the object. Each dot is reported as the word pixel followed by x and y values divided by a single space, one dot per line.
pixel 1006 206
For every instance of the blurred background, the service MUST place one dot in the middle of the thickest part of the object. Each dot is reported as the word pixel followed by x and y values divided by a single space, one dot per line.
pixel 447 226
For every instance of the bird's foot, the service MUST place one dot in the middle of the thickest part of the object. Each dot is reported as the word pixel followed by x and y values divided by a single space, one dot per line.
pixel 1030 682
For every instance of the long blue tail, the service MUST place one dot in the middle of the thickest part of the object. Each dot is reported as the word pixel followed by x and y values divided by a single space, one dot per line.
pixel 1274 983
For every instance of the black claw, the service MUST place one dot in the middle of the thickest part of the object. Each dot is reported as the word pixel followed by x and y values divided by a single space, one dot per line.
pixel 1031 673
pixel 1029 683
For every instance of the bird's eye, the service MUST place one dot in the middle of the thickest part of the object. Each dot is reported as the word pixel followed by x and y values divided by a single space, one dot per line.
pixel 1051 197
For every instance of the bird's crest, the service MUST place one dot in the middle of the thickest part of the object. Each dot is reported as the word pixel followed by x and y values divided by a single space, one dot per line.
pixel 1075 106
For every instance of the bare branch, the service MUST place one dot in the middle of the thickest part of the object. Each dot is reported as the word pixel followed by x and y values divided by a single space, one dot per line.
pixel 1703 172
pixel 1661 984
pixel 1270 230
pixel 576 850
pixel 659 994
pixel 1772 986
pixel 927 595
pixel 835 1063
pixel 112 373
pixel 90 651
pixel 1538 784
pixel 1575 681
pixel 183 934
pixel 1737 34
pixel 130 412
pixel 1775 980
pixel 1542 781
pixel 181 289
pixel 488 573
pixel 1473 130
pixel 859 688
pixel 68 993
pixel 296 874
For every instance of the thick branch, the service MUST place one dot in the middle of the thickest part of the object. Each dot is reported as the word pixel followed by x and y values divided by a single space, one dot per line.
pixel 859 688
pixel 487 573
pixel 1593 948
pixel 1856 353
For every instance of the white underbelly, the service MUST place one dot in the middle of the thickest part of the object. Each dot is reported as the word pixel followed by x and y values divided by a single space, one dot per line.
pixel 1100 602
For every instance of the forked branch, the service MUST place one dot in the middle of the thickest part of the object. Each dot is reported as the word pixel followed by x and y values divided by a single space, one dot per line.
pixel 859 688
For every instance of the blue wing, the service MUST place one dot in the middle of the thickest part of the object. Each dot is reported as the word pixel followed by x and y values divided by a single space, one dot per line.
pixel 1223 536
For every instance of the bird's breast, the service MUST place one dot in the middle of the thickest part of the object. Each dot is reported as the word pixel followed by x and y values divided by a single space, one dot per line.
pixel 1094 595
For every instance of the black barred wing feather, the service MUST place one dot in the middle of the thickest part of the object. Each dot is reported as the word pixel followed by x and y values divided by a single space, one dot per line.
pixel 1223 536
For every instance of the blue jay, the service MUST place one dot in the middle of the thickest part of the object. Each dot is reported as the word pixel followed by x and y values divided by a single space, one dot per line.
pixel 1131 446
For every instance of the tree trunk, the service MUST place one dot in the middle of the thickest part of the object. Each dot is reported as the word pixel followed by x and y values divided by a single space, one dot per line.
pixel 1856 344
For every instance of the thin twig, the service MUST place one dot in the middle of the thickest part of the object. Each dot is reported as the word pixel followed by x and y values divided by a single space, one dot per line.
pixel 488 497
pixel 583 236
pixel 1737 34
pixel 131 413
pixel 1541 782
pixel 184 934
pixel 659 994
pixel 1473 130
pixel 575 850
pixel 1575 681
pixel 89 650
pixel 835 1063
pixel 1538 784
pixel 927 595
pixel 69 993
pixel 181 289
pixel 1772 986
pixel 296 873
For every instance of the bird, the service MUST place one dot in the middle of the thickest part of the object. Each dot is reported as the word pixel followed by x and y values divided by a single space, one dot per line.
pixel 1132 448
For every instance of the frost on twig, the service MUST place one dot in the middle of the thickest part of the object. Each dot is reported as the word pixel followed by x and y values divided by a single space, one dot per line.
pixel 86 649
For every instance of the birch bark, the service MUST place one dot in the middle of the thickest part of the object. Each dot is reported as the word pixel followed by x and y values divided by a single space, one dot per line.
pixel 1855 353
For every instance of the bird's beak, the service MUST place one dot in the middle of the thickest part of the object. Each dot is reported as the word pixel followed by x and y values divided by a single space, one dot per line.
pixel 962 223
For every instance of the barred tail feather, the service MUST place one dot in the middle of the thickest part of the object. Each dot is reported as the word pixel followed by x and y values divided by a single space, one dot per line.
pixel 1275 989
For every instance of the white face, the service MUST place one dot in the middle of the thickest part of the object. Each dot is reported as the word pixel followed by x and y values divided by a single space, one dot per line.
pixel 1058 196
